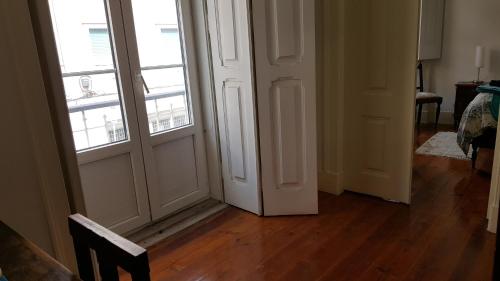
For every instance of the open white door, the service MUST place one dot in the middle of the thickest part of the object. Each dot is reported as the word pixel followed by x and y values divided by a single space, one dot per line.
pixel 380 60
pixel 284 34
pixel 160 46
pixel 230 37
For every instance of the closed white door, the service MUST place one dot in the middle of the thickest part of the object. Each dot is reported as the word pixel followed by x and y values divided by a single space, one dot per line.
pixel 230 34
pixel 101 105
pixel 284 34
pixel 380 60
pixel 161 50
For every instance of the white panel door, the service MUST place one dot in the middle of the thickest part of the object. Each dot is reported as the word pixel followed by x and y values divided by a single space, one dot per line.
pixel 232 67
pixel 160 45
pixel 380 60
pixel 99 95
pixel 284 34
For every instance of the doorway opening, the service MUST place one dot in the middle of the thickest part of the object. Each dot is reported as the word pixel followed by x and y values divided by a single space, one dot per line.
pixel 455 121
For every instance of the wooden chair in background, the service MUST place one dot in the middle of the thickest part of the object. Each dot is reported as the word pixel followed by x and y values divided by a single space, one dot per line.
pixel 426 97
pixel 112 251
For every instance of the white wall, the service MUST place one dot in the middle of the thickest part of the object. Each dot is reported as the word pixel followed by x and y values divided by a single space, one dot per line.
pixel 21 205
pixel 467 24
pixel 330 85
pixel 33 198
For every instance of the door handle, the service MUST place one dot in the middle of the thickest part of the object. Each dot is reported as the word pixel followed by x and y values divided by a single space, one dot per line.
pixel 144 83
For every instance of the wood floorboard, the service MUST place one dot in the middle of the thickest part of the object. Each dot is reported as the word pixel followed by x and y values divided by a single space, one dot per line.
pixel 325 249
pixel 441 236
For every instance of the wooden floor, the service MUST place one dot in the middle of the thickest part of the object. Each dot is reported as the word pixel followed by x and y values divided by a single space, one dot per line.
pixel 442 236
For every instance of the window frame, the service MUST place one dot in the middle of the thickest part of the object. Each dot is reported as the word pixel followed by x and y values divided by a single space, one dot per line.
pixel 111 28
pixel 189 65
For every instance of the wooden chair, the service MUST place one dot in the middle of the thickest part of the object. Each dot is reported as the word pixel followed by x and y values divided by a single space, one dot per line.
pixel 111 250
pixel 426 97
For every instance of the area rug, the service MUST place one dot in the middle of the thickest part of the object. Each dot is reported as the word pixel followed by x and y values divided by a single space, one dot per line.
pixel 443 144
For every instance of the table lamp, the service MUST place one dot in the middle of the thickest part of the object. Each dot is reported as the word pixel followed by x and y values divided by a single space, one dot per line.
pixel 479 61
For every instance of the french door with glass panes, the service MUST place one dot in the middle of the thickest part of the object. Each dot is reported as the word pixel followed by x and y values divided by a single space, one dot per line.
pixel 131 89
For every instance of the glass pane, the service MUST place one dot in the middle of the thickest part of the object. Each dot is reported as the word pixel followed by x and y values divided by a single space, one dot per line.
pixel 94 107
pixel 89 74
pixel 162 63
pixel 166 102
pixel 157 32
pixel 82 35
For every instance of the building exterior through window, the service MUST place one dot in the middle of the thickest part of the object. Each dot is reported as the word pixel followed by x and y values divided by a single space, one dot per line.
pixel 86 55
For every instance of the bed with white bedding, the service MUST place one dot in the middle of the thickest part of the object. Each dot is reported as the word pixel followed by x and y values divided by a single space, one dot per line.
pixel 477 119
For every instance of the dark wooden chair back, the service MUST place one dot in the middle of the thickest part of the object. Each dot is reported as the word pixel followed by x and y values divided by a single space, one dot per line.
pixel 420 68
pixel 111 250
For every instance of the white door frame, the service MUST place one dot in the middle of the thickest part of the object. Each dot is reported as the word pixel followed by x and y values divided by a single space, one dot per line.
pixel 494 197
pixel 208 99
pixel 330 88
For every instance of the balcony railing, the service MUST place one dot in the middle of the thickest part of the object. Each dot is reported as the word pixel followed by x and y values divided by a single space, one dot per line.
pixel 158 121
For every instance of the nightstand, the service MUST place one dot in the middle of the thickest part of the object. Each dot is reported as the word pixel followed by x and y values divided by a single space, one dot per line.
pixel 465 93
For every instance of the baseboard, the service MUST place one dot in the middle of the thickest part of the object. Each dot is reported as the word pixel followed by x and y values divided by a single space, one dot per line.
pixel 330 182
pixel 445 118
pixel 161 230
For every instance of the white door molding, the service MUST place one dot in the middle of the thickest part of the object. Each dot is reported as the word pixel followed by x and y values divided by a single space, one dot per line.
pixel 494 197
pixel 330 77
pixel 208 99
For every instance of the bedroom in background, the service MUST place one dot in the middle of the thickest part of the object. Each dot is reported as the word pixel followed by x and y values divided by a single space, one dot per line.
pixel 457 101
